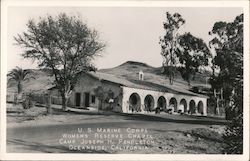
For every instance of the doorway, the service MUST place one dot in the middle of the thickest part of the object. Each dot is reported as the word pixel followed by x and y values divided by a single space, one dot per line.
pixel 86 99
pixel 78 99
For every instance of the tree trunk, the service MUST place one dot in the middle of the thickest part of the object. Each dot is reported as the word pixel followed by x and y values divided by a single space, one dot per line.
pixel 217 107
pixel 171 75
pixel 216 111
pixel 221 93
pixel 19 87
pixel 170 79
pixel 230 113
pixel 15 98
pixel 48 103
pixel 64 102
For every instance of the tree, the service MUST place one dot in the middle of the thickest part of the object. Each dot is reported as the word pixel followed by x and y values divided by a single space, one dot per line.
pixel 20 75
pixel 228 44
pixel 193 55
pixel 63 44
pixel 169 43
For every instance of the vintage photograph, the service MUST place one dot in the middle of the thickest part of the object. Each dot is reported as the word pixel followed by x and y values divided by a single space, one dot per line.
pixel 124 80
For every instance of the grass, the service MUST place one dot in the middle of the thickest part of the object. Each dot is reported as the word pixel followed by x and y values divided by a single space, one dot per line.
pixel 16 113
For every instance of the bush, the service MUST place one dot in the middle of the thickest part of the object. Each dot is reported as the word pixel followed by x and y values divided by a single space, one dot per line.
pixel 233 136
pixel 169 111
pixel 157 110
pixel 28 102
pixel 179 111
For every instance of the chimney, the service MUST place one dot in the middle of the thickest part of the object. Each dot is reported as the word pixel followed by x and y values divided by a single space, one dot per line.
pixel 141 75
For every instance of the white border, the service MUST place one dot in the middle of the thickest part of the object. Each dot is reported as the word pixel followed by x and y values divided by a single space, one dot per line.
pixel 32 156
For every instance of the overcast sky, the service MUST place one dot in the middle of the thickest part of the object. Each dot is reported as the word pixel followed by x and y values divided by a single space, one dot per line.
pixel 131 33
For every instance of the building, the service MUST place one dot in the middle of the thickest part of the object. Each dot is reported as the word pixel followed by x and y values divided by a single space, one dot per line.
pixel 110 92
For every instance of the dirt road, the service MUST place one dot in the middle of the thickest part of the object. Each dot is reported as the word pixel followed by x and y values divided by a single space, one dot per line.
pixel 166 134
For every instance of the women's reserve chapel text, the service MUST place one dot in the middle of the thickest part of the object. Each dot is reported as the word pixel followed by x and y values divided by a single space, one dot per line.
pixel 107 139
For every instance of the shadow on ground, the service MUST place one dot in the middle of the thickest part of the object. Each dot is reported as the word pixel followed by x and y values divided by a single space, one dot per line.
pixel 82 112
pixel 177 119
pixel 163 117
pixel 184 119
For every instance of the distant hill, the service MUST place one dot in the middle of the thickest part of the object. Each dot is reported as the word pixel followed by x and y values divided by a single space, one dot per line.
pixel 130 70
pixel 127 70
pixel 41 83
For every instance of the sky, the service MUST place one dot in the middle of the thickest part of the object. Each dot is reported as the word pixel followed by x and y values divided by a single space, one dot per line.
pixel 131 33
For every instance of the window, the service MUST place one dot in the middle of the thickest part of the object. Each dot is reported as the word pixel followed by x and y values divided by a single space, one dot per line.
pixel 93 99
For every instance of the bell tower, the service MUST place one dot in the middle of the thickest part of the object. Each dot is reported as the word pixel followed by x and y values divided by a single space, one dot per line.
pixel 141 75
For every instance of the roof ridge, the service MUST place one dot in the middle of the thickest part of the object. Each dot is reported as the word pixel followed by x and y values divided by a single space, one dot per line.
pixel 134 83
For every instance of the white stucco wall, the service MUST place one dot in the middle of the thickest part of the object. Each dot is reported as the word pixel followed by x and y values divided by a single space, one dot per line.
pixel 122 95
pixel 127 91
pixel 88 84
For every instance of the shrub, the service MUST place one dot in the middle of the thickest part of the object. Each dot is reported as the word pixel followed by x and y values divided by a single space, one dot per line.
pixel 169 111
pixel 27 102
pixel 233 136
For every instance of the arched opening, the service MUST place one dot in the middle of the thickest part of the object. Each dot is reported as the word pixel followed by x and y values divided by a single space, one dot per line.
pixel 183 105
pixel 173 104
pixel 200 107
pixel 192 106
pixel 149 103
pixel 162 103
pixel 134 102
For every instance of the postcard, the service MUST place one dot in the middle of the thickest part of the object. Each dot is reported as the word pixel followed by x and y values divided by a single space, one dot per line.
pixel 125 80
